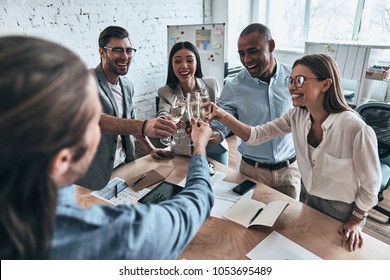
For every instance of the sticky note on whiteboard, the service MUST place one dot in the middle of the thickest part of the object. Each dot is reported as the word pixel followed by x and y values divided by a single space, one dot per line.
pixel 218 31
pixel 216 45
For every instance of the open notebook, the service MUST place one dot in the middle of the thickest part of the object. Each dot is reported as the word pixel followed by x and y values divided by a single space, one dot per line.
pixel 249 212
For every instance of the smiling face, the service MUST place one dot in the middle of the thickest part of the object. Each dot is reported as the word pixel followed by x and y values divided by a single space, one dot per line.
pixel 115 65
pixel 256 55
pixel 184 65
pixel 312 91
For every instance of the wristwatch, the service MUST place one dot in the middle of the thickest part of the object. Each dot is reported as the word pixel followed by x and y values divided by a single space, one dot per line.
pixel 358 215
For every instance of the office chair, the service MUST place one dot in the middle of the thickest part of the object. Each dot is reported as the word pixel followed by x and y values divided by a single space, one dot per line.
pixel 377 115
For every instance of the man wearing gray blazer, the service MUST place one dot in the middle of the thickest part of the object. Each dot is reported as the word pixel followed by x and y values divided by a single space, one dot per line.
pixel 118 122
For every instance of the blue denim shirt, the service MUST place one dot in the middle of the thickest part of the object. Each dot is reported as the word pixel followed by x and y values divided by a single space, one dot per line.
pixel 158 231
pixel 255 102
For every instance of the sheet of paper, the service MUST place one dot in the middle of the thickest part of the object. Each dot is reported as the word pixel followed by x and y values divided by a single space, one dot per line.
pixel 124 194
pixel 217 177
pixel 277 247
pixel 224 197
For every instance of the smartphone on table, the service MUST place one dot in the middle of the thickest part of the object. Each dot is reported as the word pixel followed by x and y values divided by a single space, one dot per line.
pixel 244 187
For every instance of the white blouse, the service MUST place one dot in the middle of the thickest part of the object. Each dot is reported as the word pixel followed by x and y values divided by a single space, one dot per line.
pixel 344 166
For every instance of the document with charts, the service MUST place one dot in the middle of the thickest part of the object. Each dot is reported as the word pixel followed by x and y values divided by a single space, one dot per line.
pixel 277 247
pixel 118 192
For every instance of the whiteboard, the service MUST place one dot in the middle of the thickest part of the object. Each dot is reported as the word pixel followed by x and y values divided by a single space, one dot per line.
pixel 209 39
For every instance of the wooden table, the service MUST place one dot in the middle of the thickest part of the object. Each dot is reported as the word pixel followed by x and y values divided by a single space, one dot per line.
pixel 221 239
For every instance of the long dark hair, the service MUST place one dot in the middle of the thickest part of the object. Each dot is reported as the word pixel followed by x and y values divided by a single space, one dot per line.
pixel 42 110
pixel 324 67
pixel 172 80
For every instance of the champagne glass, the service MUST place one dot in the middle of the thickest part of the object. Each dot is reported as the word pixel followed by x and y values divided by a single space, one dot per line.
pixel 204 98
pixel 177 111
pixel 193 107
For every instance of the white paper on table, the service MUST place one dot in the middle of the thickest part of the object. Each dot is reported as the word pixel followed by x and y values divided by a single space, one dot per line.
pixel 224 197
pixel 277 247
pixel 216 178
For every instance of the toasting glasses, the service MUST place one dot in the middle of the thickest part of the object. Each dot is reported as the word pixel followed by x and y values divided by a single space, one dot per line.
pixel 194 108
pixel 193 105
pixel 205 97
pixel 177 111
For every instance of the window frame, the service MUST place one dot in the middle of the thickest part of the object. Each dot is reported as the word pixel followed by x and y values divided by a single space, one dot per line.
pixel 266 5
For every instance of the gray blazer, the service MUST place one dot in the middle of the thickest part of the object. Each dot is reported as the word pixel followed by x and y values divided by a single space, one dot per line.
pixel 164 108
pixel 166 93
pixel 101 168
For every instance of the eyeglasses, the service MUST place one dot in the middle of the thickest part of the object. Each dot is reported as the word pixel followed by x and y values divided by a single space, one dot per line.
pixel 119 51
pixel 297 81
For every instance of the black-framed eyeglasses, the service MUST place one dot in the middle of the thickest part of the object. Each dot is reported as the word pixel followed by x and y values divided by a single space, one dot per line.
pixel 119 51
pixel 297 81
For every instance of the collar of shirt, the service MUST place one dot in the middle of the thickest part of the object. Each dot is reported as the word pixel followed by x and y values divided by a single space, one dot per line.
pixel 66 195
pixel 327 123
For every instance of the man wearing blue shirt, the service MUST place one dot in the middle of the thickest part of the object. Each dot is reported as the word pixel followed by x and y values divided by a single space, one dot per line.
pixel 150 231
pixel 255 96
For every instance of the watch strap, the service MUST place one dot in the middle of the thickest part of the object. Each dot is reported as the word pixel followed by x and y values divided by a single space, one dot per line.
pixel 359 215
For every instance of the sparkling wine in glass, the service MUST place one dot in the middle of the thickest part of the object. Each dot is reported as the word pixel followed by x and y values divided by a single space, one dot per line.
pixel 193 105
pixel 204 98
pixel 177 111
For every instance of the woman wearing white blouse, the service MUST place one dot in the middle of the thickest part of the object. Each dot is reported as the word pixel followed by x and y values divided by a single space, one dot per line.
pixel 336 150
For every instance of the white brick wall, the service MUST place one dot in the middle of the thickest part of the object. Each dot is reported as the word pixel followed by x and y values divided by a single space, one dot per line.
pixel 77 24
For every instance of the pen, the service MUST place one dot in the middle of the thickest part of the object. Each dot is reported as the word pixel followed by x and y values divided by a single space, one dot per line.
pixel 139 179
pixel 116 190
pixel 255 216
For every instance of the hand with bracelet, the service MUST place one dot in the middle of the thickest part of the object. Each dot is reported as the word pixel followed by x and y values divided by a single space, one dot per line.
pixel 351 230
pixel 152 128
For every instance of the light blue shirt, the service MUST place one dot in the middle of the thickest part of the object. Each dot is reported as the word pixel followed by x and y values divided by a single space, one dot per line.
pixel 156 231
pixel 254 102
